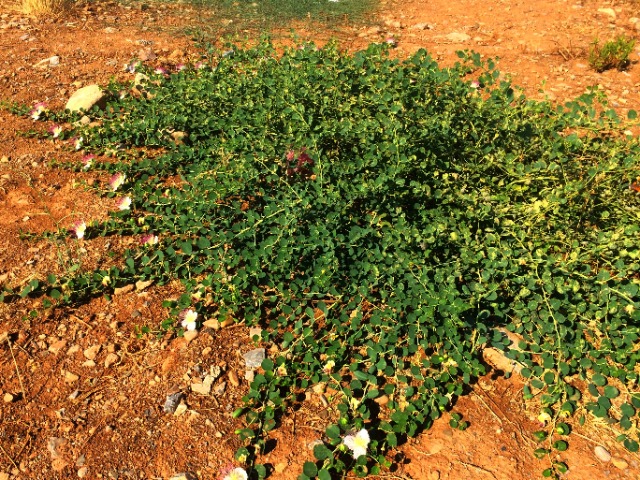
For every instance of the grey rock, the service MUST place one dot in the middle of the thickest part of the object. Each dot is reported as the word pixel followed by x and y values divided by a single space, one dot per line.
pixel 172 402
pixel 86 98
pixel 254 358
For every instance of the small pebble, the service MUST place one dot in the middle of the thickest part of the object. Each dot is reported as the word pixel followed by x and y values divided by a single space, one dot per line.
pixel 602 454
pixel 82 472
pixel 233 378
pixel 8 398
pixel 254 358
pixel 190 335
pixel 619 463
pixel 172 401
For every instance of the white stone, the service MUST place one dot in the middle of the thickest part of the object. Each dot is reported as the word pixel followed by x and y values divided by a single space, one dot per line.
pixel 602 454
pixel 609 12
pixel 86 98
pixel 458 37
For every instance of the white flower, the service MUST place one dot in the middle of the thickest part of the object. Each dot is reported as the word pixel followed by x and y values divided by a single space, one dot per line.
pixel 237 474
pixel 149 238
pixel 87 161
pixel 116 181
pixel 124 203
pixel 55 131
pixel 189 318
pixel 79 228
pixel 38 109
pixel 358 443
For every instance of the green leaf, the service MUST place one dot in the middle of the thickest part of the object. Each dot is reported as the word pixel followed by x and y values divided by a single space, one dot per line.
pixel 611 392
pixel 310 469
pixel 333 432
pixel 599 380
pixel 260 470
pixel 631 445
pixel 321 452
pixel 324 474
pixel 560 445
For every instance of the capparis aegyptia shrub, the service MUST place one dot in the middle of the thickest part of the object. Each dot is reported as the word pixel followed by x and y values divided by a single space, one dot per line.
pixel 384 221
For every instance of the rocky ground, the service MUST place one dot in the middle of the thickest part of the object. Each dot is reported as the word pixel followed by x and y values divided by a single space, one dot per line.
pixel 85 393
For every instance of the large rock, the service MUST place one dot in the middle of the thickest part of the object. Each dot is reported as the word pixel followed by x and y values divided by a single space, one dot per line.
pixel 86 98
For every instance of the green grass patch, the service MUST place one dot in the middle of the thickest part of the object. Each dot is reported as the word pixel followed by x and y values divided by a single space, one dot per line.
pixel 384 221
pixel 228 17
pixel 611 54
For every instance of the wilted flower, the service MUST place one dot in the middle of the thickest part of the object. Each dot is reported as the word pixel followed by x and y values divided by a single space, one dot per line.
pixel 87 161
pixel 131 67
pixel 116 181
pixel 79 228
pixel 149 239
pixel 328 367
pixel 544 417
pixel 357 443
pixel 236 474
pixel 55 131
pixel 189 318
pixel 124 203
pixel 38 109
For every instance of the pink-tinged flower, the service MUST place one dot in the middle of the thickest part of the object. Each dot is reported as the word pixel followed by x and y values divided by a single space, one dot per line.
pixel 124 203
pixel 357 443
pixel 87 161
pixel 55 131
pixel 189 318
pixel 180 67
pixel 199 65
pixel 475 84
pixel 235 474
pixel 116 181
pixel 38 110
pixel 149 239
pixel 161 71
pixel 391 41
pixel 79 228
pixel 290 155
pixel 77 142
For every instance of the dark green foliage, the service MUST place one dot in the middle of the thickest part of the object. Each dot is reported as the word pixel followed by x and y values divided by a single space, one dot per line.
pixel 613 54
pixel 384 221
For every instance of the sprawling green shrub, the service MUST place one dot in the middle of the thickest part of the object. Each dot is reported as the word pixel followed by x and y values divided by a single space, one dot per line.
pixel 384 221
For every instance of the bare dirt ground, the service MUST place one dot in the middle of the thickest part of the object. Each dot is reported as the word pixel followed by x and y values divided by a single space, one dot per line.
pixel 83 393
